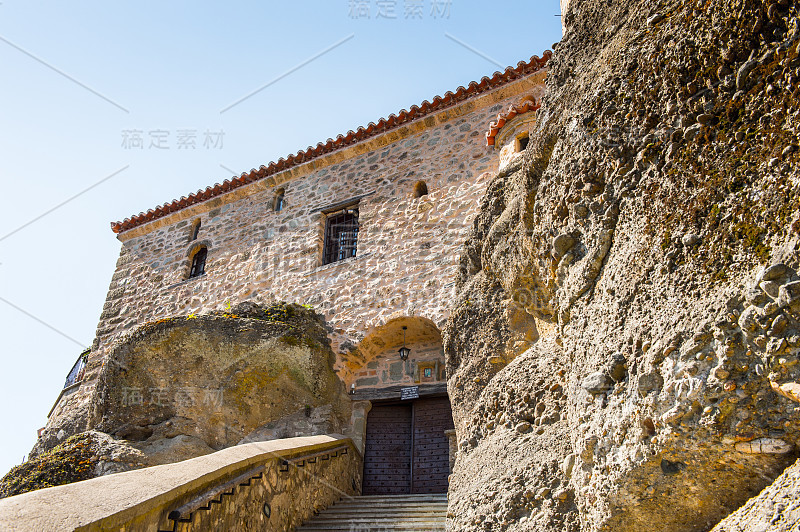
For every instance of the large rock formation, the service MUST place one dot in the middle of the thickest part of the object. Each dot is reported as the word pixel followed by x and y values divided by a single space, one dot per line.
pixel 187 386
pixel 623 350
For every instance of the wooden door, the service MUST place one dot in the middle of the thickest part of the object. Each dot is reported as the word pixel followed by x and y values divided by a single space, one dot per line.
pixel 387 451
pixel 431 449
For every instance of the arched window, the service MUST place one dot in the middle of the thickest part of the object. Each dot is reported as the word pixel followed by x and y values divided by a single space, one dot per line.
pixel 199 262
pixel 277 204
pixel 420 189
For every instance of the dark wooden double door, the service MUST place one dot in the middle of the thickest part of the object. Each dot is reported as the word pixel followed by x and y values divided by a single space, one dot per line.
pixel 406 450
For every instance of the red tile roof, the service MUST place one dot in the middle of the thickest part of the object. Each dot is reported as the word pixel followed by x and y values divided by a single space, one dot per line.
pixel 512 111
pixel 352 137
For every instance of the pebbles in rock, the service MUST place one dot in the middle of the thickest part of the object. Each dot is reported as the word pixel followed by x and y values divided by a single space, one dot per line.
pixel 744 73
pixel 649 382
pixel 763 446
pixel 774 272
pixel 692 131
pixel 690 239
pixel 705 118
pixel 748 321
pixel 561 244
pixel 523 427
pixel 596 383
pixel 789 296
pixel 655 19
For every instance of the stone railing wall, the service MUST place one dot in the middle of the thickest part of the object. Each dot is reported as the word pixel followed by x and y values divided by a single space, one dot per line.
pixel 274 485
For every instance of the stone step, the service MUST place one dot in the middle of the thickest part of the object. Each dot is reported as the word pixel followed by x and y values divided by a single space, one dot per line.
pixel 336 513
pixel 369 526
pixel 390 498
pixel 382 513
pixel 391 505
pixel 375 516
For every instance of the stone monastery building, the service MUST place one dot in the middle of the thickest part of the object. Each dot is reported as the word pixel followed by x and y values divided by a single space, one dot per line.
pixel 367 228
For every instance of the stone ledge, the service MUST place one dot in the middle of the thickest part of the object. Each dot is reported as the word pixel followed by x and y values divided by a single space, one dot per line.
pixel 65 391
pixel 112 501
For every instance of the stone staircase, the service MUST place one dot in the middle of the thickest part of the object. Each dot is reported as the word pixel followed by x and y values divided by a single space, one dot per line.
pixel 382 513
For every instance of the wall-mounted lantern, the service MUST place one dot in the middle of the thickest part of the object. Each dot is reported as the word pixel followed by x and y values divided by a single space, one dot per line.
pixel 404 351
pixel 353 389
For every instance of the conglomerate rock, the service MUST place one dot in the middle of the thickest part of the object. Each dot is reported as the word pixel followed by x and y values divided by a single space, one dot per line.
pixel 623 349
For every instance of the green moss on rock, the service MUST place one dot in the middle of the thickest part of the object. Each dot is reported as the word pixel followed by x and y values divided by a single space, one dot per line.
pixel 71 461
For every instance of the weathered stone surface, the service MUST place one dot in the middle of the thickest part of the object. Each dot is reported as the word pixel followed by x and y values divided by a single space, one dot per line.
pixel 595 383
pixel 776 509
pixel 187 386
pixel 789 296
pixel 683 439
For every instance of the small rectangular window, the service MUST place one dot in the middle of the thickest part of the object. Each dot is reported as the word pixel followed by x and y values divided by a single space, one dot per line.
pixel 341 235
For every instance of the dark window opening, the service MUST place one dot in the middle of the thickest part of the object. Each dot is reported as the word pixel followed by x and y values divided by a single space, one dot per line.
pixel 420 189
pixel 195 230
pixel 341 235
pixel 278 203
pixel 199 263
pixel 522 142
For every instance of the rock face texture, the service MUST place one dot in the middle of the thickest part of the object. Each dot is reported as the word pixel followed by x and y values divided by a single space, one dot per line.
pixel 776 509
pixel 187 386
pixel 623 349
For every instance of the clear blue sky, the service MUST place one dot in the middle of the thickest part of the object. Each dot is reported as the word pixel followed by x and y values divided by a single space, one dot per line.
pixel 82 81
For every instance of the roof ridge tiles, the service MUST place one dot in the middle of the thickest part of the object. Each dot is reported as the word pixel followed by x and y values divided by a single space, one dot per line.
pixel 511 112
pixel 437 103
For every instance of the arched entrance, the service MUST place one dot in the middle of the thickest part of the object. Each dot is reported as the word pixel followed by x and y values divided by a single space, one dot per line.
pixel 407 437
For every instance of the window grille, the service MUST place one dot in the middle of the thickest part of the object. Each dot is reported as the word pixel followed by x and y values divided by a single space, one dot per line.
pixel 76 373
pixel 199 263
pixel 341 235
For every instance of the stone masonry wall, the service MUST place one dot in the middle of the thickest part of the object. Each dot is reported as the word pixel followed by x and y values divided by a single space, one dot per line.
pixel 281 501
pixel 387 368
pixel 407 247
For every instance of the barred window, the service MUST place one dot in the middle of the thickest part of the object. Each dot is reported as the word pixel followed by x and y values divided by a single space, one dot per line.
pixel 199 263
pixel 341 235
pixel 77 372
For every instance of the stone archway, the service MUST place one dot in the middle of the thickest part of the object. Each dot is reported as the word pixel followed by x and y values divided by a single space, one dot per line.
pixel 405 437
pixel 379 366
